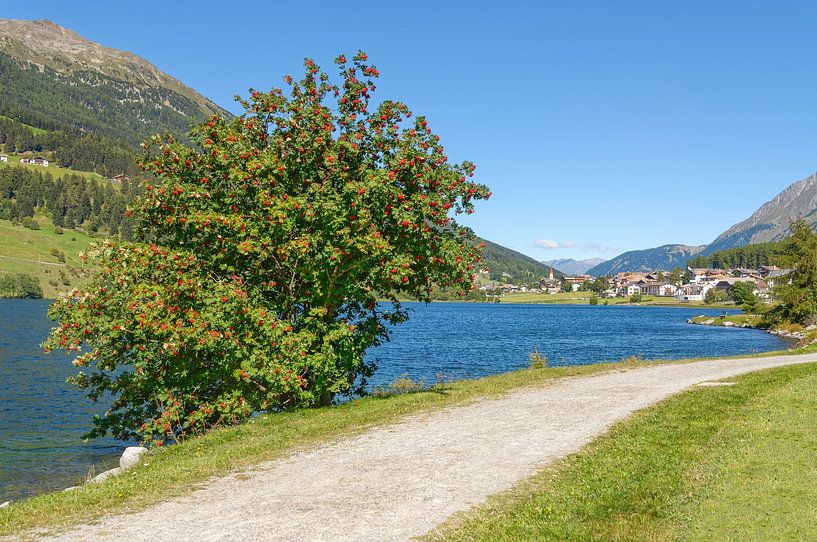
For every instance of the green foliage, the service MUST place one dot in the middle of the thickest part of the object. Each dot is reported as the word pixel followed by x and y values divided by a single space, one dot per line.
pixel 798 300
pixel 715 295
pixel 21 286
pixel 536 360
pixel 743 294
pixel 594 300
pixel 746 257
pixel 72 200
pixel 30 223
pixel 635 298
pixel 401 385
pixel 597 285
pixel 677 276
pixel 275 234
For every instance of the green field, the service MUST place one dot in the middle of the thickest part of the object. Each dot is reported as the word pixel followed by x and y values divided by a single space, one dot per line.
pixel 729 463
pixel 53 169
pixel 29 251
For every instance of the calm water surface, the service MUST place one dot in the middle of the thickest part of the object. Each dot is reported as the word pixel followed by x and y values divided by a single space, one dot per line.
pixel 42 418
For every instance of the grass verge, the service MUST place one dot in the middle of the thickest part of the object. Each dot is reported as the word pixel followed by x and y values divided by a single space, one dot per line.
pixel 726 463
pixel 178 469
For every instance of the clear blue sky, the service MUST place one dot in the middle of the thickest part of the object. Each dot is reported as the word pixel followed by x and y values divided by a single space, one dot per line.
pixel 600 126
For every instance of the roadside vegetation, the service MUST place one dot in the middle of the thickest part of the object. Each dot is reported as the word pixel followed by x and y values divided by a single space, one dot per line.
pixel 731 463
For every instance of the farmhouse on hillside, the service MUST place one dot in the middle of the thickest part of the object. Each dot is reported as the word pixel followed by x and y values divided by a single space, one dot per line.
pixel 36 161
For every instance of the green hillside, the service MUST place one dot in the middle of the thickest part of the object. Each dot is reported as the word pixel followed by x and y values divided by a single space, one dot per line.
pixel 747 257
pixel 40 253
pixel 506 265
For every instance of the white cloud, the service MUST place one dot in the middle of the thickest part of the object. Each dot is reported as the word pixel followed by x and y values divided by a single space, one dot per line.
pixel 596 247
pixel 550 244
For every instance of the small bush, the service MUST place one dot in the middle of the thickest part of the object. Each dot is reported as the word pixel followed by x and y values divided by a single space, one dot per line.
pixel 402 384
pixel 536 360
pixel 594 300
pixel 58 230
pixel 30 223
pixel 633 360
pixel 635 298
pixel 57 253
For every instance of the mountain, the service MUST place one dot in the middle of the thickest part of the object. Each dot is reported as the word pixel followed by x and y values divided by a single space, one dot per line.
pixel 522 269
pixel 53 78
pixel 666 257
pixel 767 224
pixel 771 221
pixel 569 266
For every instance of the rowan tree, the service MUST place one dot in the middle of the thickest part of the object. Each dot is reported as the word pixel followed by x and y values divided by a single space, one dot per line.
pixel 262 252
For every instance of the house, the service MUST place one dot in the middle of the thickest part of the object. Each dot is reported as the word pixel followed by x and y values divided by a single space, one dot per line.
pixel 576 282
pixel 631 290
pixel 658 289
pixel 776 277
pixel 119 178
pixel 4 157
pixel 36 161
pixel 509 288
pixel 692 292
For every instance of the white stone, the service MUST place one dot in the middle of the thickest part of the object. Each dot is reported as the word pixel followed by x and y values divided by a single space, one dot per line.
pixel 131 457
pixel 5 504
pixel 728 324
pixel 102 476
pixel 72 488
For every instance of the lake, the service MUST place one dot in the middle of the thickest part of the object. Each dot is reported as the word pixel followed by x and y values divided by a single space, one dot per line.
pixel 42 418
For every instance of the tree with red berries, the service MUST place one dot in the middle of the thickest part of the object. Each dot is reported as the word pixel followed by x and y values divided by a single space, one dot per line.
pixel 264 248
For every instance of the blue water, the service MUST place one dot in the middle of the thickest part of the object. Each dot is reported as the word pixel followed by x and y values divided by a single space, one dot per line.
pixel 42 418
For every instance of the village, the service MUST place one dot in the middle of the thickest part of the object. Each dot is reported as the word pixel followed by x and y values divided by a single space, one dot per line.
pixel 691 285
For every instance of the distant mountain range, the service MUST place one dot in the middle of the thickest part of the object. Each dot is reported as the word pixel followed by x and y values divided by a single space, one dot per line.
pixel 570 266
pixel 769 223
pixel 665 257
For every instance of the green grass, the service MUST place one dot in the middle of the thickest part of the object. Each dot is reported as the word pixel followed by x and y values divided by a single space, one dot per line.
pixel 728 463
pixel 748 320
pixel 178 469
pixel 53 169
pixel 29 251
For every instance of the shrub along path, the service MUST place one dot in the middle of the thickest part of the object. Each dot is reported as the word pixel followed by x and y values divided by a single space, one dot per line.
pixel 401 480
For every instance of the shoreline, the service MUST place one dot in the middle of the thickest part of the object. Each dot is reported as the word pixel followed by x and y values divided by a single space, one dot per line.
pixel 170 477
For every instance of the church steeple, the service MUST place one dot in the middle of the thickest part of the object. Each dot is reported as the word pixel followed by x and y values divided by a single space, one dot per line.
pixel 551 273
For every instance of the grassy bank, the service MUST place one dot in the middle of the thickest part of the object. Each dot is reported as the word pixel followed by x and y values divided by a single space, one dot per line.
pixel 726 463
pixel 177 469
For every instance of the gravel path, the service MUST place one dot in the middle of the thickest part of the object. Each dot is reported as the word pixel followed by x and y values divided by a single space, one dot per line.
pixel 400 481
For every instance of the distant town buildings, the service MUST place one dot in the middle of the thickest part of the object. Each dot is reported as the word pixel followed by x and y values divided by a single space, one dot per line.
pixel 692 286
